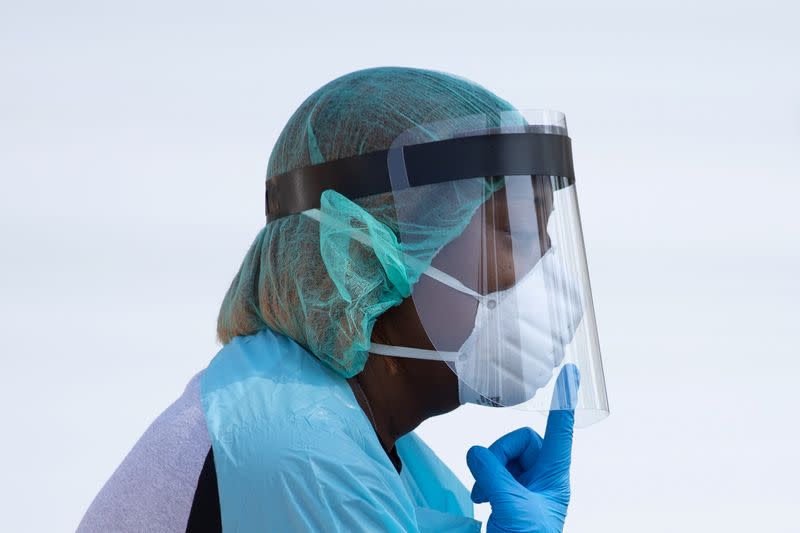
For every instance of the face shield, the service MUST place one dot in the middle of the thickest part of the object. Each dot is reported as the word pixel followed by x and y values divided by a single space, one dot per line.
pixel 504 298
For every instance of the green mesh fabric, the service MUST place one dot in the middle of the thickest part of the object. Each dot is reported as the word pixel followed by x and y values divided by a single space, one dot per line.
pixel 323 280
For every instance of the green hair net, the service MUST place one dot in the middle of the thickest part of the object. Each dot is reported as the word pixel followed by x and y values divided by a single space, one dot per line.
pixel 324 277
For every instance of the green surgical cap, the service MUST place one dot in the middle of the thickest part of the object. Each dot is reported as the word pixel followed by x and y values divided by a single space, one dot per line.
pixel 323 280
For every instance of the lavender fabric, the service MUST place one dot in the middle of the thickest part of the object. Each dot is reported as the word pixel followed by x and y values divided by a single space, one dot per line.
pixel 152 490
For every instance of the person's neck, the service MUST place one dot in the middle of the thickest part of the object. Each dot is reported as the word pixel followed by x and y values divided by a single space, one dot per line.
pixel 397 395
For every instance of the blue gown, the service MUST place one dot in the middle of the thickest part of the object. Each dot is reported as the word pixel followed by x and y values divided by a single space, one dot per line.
pixel 294 451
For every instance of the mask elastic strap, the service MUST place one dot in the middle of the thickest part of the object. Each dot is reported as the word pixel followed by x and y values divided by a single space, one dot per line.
pixel 432 272
pixel 446 279
pixel 412 353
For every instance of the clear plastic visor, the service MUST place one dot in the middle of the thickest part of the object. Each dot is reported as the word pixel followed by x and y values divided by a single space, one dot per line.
pixel 507 302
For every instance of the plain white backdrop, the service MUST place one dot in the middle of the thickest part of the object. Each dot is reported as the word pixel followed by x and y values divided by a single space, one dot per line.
pixel 133 146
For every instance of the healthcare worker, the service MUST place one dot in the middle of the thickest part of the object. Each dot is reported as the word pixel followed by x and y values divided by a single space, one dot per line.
pixel 422 250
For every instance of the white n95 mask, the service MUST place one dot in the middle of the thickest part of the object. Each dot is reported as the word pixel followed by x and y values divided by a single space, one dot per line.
pixel 518 338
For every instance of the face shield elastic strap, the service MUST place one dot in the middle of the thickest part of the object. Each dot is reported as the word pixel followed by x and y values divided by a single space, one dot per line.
pixel 518 153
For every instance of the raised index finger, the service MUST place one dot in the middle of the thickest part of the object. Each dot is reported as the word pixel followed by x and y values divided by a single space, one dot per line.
pixel 557 445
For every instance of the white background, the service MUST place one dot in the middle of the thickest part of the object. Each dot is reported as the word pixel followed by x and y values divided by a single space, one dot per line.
pixel 133 146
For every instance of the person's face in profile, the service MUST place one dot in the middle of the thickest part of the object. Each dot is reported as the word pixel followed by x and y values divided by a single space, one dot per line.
pixel 503 240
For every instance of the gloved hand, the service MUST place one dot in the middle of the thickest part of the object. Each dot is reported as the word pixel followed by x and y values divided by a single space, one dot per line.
pixel 526 478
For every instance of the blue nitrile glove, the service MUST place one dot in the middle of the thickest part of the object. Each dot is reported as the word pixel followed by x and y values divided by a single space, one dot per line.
pixel 526 478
